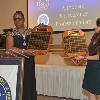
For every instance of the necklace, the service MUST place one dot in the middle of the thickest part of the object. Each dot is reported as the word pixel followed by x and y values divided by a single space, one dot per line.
pixel 24 43
pixel 24 34
pixel 24 38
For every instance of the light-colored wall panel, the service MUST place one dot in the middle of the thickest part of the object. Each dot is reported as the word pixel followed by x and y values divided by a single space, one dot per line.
pixel 7 9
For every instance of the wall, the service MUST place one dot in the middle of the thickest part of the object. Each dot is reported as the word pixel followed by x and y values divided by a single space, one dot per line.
pixel 7 8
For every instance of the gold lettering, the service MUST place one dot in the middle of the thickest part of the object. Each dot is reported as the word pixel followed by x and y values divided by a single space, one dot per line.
pixel 2 81
pixel 8 94
pixel 6 88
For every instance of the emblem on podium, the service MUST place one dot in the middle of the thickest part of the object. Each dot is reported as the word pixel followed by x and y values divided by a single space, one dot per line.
pixel 5 92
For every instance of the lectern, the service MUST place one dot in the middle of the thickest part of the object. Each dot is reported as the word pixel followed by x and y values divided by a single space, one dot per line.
pixel 11 75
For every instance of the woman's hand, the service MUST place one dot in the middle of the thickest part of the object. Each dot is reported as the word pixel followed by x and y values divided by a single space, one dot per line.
pixel 29 52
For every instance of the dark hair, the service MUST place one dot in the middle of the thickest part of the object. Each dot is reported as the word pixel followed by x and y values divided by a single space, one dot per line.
pixel 19 12
pixel 98 22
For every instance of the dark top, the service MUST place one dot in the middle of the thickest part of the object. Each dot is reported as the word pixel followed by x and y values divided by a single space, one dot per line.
pixel 19 40
pixel 29 82
pixel 94 45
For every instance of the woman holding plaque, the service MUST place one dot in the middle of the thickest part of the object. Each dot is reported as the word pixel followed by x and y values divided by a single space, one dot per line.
pixel 17 40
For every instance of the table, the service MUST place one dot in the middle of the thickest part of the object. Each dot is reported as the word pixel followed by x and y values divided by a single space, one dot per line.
pixel 60 81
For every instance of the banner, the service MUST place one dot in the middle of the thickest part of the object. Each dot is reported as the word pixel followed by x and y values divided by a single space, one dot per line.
pixel 8 82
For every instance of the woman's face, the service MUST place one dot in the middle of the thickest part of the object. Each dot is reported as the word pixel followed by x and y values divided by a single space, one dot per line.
pixel 97 29
pixel 18 20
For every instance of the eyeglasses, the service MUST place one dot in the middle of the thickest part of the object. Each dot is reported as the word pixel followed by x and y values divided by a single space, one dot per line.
pixel 17 19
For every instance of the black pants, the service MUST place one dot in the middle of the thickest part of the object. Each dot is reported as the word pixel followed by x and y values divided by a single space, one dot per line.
pixel 29 82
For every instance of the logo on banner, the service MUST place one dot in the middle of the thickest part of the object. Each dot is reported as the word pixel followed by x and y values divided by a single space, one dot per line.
pixel 5 92
pixel 43 19
pixel 42 4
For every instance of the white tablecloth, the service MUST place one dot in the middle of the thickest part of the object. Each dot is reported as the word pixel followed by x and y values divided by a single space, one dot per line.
pixel 60 81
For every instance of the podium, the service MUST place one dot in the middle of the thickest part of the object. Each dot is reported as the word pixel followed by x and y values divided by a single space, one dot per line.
pixel 11 75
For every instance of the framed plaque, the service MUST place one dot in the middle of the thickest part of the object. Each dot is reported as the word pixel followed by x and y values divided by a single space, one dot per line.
pixel 39 41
